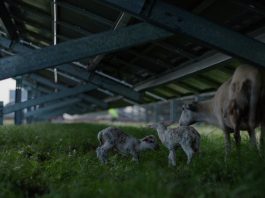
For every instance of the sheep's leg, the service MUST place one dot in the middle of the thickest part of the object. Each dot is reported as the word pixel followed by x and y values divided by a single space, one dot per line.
pixel 252 138
pixel 237 120
pixel 227 143
pixel 254 96
pixel 102 152
pixel 189 152
pixel 262 135
pixel 172 157
pixel 237 137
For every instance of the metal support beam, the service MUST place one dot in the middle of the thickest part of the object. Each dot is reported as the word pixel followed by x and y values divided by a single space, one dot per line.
pixel 176 49
pixel 253 5
pixel 61 87
pixel 9 24
pixel 100 81
pixel 18 95
pixel 174 19
pixel 206 62
pixel 184 71
pixel 52 107
pixel 203 6
pixel 54 113
pixel 122 21
pixel 29 109
pixel 85 13
pixel 78 72
pixel 45 81
pixel 35 88
pixel 73 50
pixel 51 97
pixel 54 28
pixel 1 113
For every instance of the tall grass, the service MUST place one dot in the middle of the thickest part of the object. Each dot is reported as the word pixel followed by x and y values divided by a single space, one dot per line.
pixel 58 160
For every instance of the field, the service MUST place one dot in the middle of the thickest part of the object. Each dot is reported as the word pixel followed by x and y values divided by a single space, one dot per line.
pixel 58 160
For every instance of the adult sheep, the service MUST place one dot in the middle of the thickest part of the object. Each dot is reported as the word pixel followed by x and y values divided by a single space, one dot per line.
pixel 242 93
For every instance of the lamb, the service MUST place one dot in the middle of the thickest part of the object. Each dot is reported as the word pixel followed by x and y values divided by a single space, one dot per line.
pixel 186 137
pixel 113 137
pixel 237 105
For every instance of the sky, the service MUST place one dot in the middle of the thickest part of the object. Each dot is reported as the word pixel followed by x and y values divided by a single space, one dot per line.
pixel 5 86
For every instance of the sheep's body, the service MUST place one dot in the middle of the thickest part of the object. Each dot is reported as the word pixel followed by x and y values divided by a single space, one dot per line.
pixel 237 105
pixel 185 137
pixel 112 137
pixel 244 98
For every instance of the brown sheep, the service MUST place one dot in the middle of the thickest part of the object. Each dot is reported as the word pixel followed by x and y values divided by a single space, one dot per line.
pixel 237 105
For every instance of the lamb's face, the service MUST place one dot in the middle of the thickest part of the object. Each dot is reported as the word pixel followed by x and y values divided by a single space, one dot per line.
pixel 149 142
pixel 187 115
pixel 162 124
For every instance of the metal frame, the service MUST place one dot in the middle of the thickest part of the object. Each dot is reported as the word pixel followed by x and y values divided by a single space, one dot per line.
pixel 61 87
pixel 50 97
pixel 61 104
pixel 86 13
pixel 18 97
pixel 122 21
pixel 174 19
pixel 101 82
pixel 9 24
pixel 101 43
pixel 205 62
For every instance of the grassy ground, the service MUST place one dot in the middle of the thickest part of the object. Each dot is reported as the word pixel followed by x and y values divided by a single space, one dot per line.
pixel 57 160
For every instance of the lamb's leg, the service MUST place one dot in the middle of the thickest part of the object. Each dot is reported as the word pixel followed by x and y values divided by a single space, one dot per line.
pixel 172 157
pixel 189 152
pixel 135 155
pixel 102 152
pixel 101 155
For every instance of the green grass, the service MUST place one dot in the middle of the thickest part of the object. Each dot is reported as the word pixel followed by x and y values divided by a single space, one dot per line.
pixel 58 160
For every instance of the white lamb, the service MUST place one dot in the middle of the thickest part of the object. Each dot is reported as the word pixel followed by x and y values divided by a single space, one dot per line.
pixel 112 137
pixel 185 137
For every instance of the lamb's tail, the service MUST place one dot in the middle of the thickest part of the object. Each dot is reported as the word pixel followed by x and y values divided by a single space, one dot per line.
pixel 100 138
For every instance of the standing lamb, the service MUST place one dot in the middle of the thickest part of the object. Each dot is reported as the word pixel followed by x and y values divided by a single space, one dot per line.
pixel 185 136
pixel 112 137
